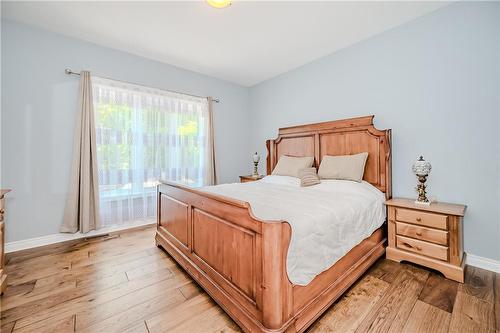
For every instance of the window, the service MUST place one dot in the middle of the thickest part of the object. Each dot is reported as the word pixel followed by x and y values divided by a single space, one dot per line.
pixel 144 135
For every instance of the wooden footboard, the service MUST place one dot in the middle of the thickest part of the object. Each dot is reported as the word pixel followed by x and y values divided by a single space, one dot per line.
pixel 241 261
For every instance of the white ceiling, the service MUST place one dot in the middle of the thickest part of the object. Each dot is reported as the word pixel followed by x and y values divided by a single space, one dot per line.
pixel 246 43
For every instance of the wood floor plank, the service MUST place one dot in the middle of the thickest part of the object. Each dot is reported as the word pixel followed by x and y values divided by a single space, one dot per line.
pixel 137 328
pixel 96 278
pixel 77 245
pixel 230 328
pixel 153 266
pixel 69 303
pixel 26 272
pixel 425 318
pixel 472 314
pixel 77 251
pixel 102 283
pixel 62 258
pixel 9 302
pixel 65 325
pixel 20 289
pixel 197 315
pixel 386 270
pixel 52 249
pixel 391 312
pixel 127 318
pixel 169 320
pixel 126 284
pixel 191 290
pixel 439 292
pixel 347 314
pixel 211 320
pixel 118 259
pixel 48 259
pixel 7 327
pixel 479 283
pixel 99 255
pixel 103 270
pixel 496 293
pixel 167 288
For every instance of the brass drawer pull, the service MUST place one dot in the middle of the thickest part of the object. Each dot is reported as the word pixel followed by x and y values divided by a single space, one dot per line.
pixel 418 233
pixel 412 247
pixel 419 219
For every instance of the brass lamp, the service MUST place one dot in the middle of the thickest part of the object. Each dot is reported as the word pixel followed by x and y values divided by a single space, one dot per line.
pixel 256 159
pixel 421 168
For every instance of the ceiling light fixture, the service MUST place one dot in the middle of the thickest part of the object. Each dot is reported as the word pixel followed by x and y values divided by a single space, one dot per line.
pixel 219 3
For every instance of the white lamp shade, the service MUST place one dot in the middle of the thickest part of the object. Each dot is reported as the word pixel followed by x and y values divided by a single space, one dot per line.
pixel 421 167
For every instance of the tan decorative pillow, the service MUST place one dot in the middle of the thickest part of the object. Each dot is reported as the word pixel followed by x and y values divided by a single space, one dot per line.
pixel 308 177
pixel 290 165
pixel 347 167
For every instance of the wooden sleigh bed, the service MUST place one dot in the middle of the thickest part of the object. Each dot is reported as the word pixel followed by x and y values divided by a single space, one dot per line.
pixel 241 261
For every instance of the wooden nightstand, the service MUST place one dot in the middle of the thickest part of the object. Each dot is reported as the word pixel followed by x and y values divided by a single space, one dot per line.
pixel 431 236
pixel 250 178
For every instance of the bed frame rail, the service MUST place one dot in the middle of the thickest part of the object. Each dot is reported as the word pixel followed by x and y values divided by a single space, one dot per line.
pixel 238 259
pixel 241 261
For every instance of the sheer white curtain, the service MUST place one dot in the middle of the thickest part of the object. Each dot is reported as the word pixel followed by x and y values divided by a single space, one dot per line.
pixel 145 135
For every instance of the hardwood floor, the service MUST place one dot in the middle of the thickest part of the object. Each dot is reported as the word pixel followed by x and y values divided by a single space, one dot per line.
pixel 124 283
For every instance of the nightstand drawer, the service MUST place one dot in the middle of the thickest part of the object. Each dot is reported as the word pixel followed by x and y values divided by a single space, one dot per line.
pixel 421 247
pixel 418 217
pixel 422 233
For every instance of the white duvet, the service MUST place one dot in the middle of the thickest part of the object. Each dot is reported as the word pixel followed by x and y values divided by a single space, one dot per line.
pixel 327 219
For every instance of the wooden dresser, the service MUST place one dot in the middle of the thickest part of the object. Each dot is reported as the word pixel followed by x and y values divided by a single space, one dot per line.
pixel 250 178
pixel 430 236
pixel 3 276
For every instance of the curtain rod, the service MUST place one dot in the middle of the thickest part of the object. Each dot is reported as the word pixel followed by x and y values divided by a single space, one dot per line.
pixel 70 72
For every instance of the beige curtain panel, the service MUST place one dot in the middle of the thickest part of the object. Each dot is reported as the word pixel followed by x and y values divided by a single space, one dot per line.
pixel 212 173
pixel 82 206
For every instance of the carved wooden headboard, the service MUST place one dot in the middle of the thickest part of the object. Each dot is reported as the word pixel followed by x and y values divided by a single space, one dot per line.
pixel 339 137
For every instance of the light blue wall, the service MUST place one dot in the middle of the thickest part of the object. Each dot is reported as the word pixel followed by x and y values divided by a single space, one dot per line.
pixel 38 118
pixel 436 82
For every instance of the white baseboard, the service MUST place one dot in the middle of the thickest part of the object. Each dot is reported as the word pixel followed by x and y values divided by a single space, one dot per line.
pixel 59 238
pixel 484 263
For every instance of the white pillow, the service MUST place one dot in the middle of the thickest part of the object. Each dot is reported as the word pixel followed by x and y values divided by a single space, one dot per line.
pixel 347 167
pixel 290 165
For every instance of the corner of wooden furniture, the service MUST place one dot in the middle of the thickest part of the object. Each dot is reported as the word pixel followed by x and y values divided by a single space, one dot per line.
pixel 430 236
pixel 250 178
pixel 3 275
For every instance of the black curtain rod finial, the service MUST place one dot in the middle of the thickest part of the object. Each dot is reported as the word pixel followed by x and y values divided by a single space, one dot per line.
pixel 69 72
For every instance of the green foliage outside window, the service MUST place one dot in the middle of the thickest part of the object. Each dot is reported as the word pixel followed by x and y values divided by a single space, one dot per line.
pixel 146 137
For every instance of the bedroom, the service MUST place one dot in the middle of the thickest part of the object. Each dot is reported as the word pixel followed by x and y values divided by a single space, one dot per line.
pixel 429 73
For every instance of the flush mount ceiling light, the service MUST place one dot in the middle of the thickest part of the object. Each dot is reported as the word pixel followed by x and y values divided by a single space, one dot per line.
pixel 219 3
